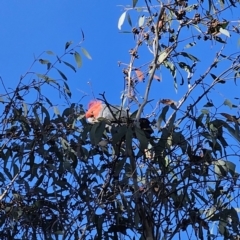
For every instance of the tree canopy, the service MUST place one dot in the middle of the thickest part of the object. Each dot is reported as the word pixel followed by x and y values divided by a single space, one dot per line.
pixel 64 178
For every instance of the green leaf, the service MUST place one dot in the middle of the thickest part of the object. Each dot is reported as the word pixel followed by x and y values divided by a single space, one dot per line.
pixel 70 65
pixel 59 232
pixel 118 134
pixel 134 114
pixel 197 27
pixel 56 111
pixel 78 59
pixel 129 137
pixel 50 52
pixel 232 3
pixel 68 44
pixel 49 65
pixel 191 7
pixel 96 132
pixel 25 109
pixel 39 181
pixel 6 171
pixel 185 67
pixel 205 111
pixel 45 111
pixel 225 32
pixel 218 39
pixel 126 32
pixel 175 85
pixel 83 37
pixel 67 90
pixel 65 144
pixel 171 122
pixel 15 169
pixel 199 121
pixel 142 138
pixel 236 75
pixel 228 103
pixel 62 75
pixel 200 196
pixel 162 56
pixel 232 131
pixel 209 5
pixel 231 167
pixel 221 3
pixel 188 55
pixel 179 139
pixel 2 178
pixel 171 67
pixel 134 3
pixel 85 52
pixel 220 168
pixel 49 102
pixel 190 45
pixel 216 78
pixel 42 61
pixel 121 20
pixel 129 20
pixel 208 104
pixel 141 21
pixel 162 117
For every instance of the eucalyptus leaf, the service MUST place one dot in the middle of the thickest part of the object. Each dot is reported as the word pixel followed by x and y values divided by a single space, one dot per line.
pixel 78 59
pixel 121 20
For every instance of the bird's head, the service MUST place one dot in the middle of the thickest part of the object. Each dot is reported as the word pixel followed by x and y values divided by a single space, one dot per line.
pixel 94 111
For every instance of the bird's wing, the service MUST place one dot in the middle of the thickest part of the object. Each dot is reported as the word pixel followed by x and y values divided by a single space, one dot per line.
pixel 109 111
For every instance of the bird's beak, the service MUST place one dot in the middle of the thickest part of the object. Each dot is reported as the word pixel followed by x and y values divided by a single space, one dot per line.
pixel 92 120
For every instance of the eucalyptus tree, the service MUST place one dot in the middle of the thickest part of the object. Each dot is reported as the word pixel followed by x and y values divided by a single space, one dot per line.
pixel 64 177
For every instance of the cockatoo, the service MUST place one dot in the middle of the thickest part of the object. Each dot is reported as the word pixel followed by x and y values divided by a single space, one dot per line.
pixel 97 109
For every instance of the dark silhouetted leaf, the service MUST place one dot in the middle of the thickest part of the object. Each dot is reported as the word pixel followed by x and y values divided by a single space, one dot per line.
pixel 218 39
pixel 42 61
pixel 69 65
pixel 188 55
pixel 162 116
pixel 209 104
pixel 142 138
pixel 119 134
pixel 190 45
pixel 68 44
pixel 96 133
pixel 134 3
pixel 129 19
pixel 67 90
pixel 62 75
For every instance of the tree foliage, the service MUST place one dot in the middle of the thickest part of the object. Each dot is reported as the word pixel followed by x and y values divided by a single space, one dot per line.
pixel 63 177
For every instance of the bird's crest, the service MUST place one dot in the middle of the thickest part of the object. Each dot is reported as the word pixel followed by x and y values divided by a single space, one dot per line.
pixel 94 103
pixel 94 108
